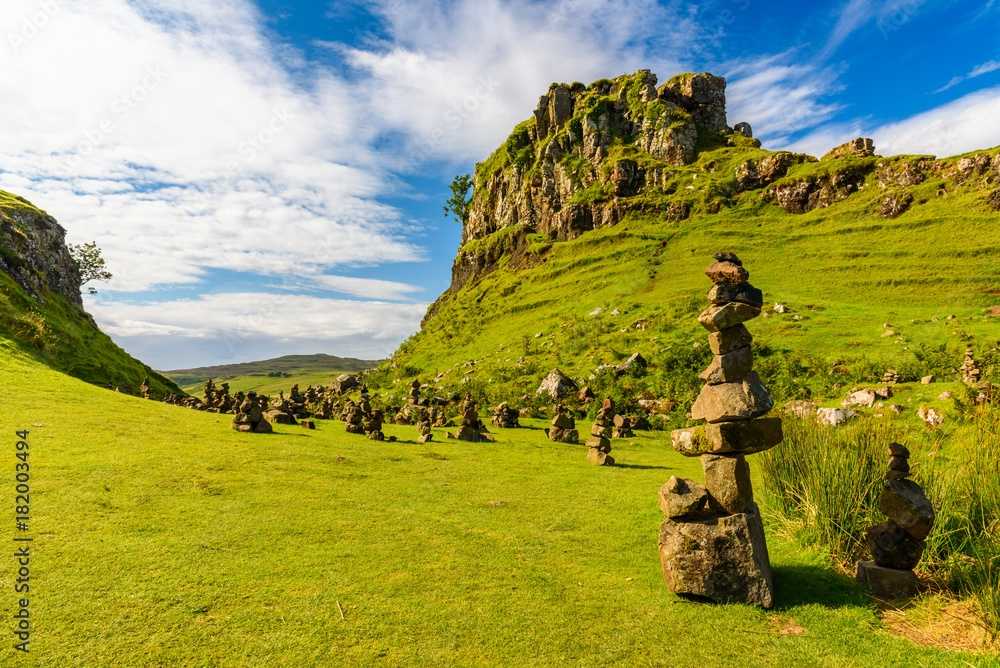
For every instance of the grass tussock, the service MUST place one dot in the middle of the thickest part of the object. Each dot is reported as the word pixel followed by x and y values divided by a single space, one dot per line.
pixel 826 482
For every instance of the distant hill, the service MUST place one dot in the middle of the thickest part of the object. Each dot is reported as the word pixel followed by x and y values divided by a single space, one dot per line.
pixel 287 366
pixel 41 312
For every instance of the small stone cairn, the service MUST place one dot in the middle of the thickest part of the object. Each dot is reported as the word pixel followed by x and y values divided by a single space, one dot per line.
pixel 250 416
pixel 422 415
pixel 353 417
pixel 712 541
pixel 971 373
pixel 144 389
pixel 623 427
pixel 599 443
pixel 472 429
pixel 505 417
pixel 896 545
pixel 371 419
pixel 563 427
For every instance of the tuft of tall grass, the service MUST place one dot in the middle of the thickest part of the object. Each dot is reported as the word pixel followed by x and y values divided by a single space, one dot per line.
pixel 827 482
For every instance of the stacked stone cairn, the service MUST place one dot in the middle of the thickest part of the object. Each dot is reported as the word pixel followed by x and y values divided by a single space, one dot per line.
pixel 971 373
pixel 371 418
pixel 472 428
pixel 281 410
pixel 353 417
pixel 896 545
pixel 250 416
pixel 563 427
pixel 144 389
pixel 712 543
pixel 623 427
pixel 422 416
pixel 599 443
pixel 505 417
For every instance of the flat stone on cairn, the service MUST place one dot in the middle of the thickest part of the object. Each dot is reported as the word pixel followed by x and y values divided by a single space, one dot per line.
pixel 599 443
pixel 897 545
pixel 712 543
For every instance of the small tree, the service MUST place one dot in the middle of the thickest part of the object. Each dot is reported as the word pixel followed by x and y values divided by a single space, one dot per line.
pixel 461 197
pixel 90 261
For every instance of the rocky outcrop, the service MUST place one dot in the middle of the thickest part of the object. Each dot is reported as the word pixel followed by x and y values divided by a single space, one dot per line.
pixel 819 190
pixel 33 251
pixel 584 155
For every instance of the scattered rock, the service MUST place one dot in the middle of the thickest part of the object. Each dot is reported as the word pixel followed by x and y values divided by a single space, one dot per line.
pixel 927 380
pixel 894 204
pixel 865 398
pixel 930 416
pixel 743 128
pixel 557 385
pixel 835 416
pixel 862 147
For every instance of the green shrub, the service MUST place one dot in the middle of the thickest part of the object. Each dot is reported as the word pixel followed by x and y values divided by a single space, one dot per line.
pixel 827 482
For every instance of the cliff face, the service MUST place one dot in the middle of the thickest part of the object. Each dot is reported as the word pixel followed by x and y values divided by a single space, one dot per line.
pixel 41 312
pixel 33 250
pixel 587 156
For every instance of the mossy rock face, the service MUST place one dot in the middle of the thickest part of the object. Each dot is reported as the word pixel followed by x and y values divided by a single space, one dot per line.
pixel 41 310
pixel 556 174
pixel 34 251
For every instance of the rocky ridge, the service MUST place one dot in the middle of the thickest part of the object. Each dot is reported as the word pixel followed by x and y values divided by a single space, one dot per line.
pixel 591 156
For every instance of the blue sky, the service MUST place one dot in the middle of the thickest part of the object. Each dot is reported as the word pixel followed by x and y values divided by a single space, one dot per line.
pixel 267 177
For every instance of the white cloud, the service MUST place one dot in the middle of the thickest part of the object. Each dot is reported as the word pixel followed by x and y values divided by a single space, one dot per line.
pixel 243 326
pixel 168 132
pixel 454 77
pixel 887 14
pixel 779 97
pixel 965 124
pixel 979 70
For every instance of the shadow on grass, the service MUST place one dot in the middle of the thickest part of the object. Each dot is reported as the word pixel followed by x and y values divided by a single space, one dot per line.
pixel 804 585
pixel 641 466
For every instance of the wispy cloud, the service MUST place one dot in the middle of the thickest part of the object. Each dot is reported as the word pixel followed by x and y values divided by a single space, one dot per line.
pixel 454 77
pixel 780 97
pixel 977 71
pixel 965 124
pixel 886 14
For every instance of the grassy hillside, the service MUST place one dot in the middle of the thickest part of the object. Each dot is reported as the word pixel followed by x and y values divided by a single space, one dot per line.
pixel 208 547
pixel 265 375
pixel 57 332
pixel 865 292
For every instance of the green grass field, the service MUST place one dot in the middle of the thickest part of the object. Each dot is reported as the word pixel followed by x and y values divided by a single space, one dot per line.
pixel 162 537
pixel 269 385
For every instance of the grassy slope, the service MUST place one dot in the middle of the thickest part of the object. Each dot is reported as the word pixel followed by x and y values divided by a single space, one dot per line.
pixel 60 335
pixel 844 270
pixel 163 537
pixel 290 364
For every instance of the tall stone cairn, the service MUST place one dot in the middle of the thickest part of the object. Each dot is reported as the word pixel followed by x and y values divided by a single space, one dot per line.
pixel 896 545
pixel 712 543
pixel 971 373
pixel 599 443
